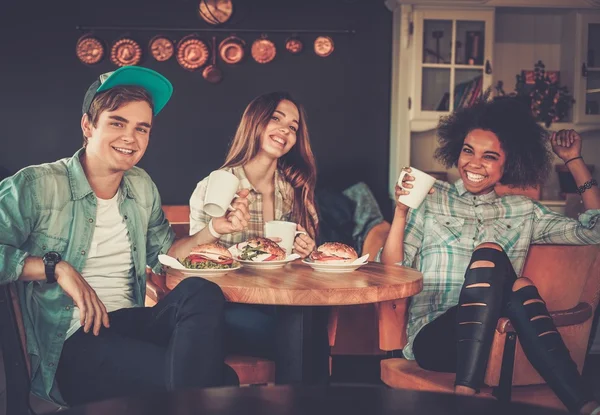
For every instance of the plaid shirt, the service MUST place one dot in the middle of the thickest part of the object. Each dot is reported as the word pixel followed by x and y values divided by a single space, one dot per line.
pixel 284 201
pixel 442 233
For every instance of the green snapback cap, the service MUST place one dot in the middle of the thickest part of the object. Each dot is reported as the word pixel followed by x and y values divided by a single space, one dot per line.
pixel 159 87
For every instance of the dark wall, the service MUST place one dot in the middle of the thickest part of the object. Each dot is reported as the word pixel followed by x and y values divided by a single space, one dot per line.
pixel 347 95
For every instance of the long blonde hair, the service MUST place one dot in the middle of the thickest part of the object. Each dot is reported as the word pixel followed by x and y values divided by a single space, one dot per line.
pixel 297 165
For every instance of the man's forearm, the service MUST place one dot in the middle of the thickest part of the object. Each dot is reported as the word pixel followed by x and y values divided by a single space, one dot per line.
pixel 33 270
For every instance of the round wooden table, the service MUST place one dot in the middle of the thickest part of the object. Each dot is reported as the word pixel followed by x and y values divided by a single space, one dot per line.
pixel 299 284
pixel 273 400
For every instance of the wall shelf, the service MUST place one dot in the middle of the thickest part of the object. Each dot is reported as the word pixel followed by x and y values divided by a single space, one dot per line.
pixel 212 30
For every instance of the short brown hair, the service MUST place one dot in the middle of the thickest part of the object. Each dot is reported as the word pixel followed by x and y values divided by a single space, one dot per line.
pixel 113 99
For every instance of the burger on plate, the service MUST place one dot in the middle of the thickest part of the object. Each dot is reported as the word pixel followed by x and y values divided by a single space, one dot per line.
pixel 260 250
pixel 334 252
pixel 208 256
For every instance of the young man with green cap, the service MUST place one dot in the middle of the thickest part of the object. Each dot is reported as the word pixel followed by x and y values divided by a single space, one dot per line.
pixel 76 236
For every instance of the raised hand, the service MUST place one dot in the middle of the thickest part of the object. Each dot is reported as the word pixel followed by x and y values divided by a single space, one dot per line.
pixel 92 311
pixel 401 208
pixel 566 144
pixel 235 220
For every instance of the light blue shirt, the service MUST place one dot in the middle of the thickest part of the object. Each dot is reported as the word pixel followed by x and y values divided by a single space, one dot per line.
pixel 442 233
pixel 51 207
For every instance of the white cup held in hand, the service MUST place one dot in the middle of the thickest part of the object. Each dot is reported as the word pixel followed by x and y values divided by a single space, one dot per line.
pixel 421 186
pixel 220 191
pixel 286 231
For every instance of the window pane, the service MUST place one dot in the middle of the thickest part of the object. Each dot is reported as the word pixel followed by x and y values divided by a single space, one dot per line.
pixel 470 39
pixel 592 97
pixel 593 53
pixel 467 87
pixel 437 38
pixel 436 87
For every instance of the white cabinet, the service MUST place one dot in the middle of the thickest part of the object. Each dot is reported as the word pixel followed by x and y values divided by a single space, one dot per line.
pixel 452 62
pixel 435 61
pixel 580 63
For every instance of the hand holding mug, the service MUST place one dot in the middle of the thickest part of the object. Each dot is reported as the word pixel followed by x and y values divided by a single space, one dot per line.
pixel 303 243
pixel 412 188
pixel 285 234
pixel 235 220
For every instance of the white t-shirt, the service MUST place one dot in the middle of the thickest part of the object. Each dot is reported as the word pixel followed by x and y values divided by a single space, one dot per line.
pixel 109 266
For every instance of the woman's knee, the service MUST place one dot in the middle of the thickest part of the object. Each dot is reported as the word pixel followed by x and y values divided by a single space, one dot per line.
pixel 484 263
pixel 521 283
pixel 490 245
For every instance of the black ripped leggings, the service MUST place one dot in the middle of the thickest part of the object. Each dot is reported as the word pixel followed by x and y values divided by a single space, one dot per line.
pixel 459 340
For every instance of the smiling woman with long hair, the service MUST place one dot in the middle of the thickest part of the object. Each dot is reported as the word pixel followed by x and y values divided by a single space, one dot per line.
pixel 294 159
pixel 271 155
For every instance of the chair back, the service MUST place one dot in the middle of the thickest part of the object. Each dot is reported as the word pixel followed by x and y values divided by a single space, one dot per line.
pixel 565 275
pixel 16 363
pixel 179 218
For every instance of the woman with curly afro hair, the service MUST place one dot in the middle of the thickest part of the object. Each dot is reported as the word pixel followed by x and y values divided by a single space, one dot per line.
pixel 470 244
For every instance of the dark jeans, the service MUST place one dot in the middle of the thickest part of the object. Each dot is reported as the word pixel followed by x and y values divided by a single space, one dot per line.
pixel 178 343
pixel 250 330
pixel 295 338
pixel 435 345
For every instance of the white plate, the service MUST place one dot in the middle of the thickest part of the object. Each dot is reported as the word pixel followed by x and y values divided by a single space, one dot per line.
pixel 337 268
pixel 266 264
pixel 207 272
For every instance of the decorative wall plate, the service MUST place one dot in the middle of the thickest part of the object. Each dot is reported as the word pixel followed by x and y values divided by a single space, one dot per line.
pixel 294 45
pixel 161 48
pixel 215 12
pixel 89 49
pixel 323 46
pixel 126 52
pixel 192 53
pixel 263 50
pixel 232 49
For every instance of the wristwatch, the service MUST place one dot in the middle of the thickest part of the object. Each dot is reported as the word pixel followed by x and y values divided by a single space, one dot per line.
pixel 50 260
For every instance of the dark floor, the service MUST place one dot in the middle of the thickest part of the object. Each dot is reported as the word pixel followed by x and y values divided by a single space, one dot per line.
pixel 365 370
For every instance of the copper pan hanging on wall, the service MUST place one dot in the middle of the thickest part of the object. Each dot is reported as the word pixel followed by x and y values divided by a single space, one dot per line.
pixel 161 48
pixel 232 50
pixel 90 50
pixel 125 51
pixel 263 50
pixel 294 45
pixel 192 52
pixel 212 73
pixel 323 46
pixel 215 12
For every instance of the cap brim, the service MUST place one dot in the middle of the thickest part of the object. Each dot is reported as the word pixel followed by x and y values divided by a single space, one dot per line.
pixel 159 87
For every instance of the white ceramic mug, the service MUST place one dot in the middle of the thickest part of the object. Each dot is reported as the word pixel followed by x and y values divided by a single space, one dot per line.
pixel 286 231
pixel 421 186
pixel 220 191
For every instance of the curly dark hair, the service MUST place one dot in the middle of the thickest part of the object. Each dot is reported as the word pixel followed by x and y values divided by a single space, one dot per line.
pixel 528 155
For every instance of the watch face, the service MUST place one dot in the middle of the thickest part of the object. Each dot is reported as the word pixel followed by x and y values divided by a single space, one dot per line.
pixel 52 258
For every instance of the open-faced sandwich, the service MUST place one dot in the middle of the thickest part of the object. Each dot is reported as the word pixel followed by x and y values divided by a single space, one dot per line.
pixel 208 256
pixel 334 251
pixel 259 249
